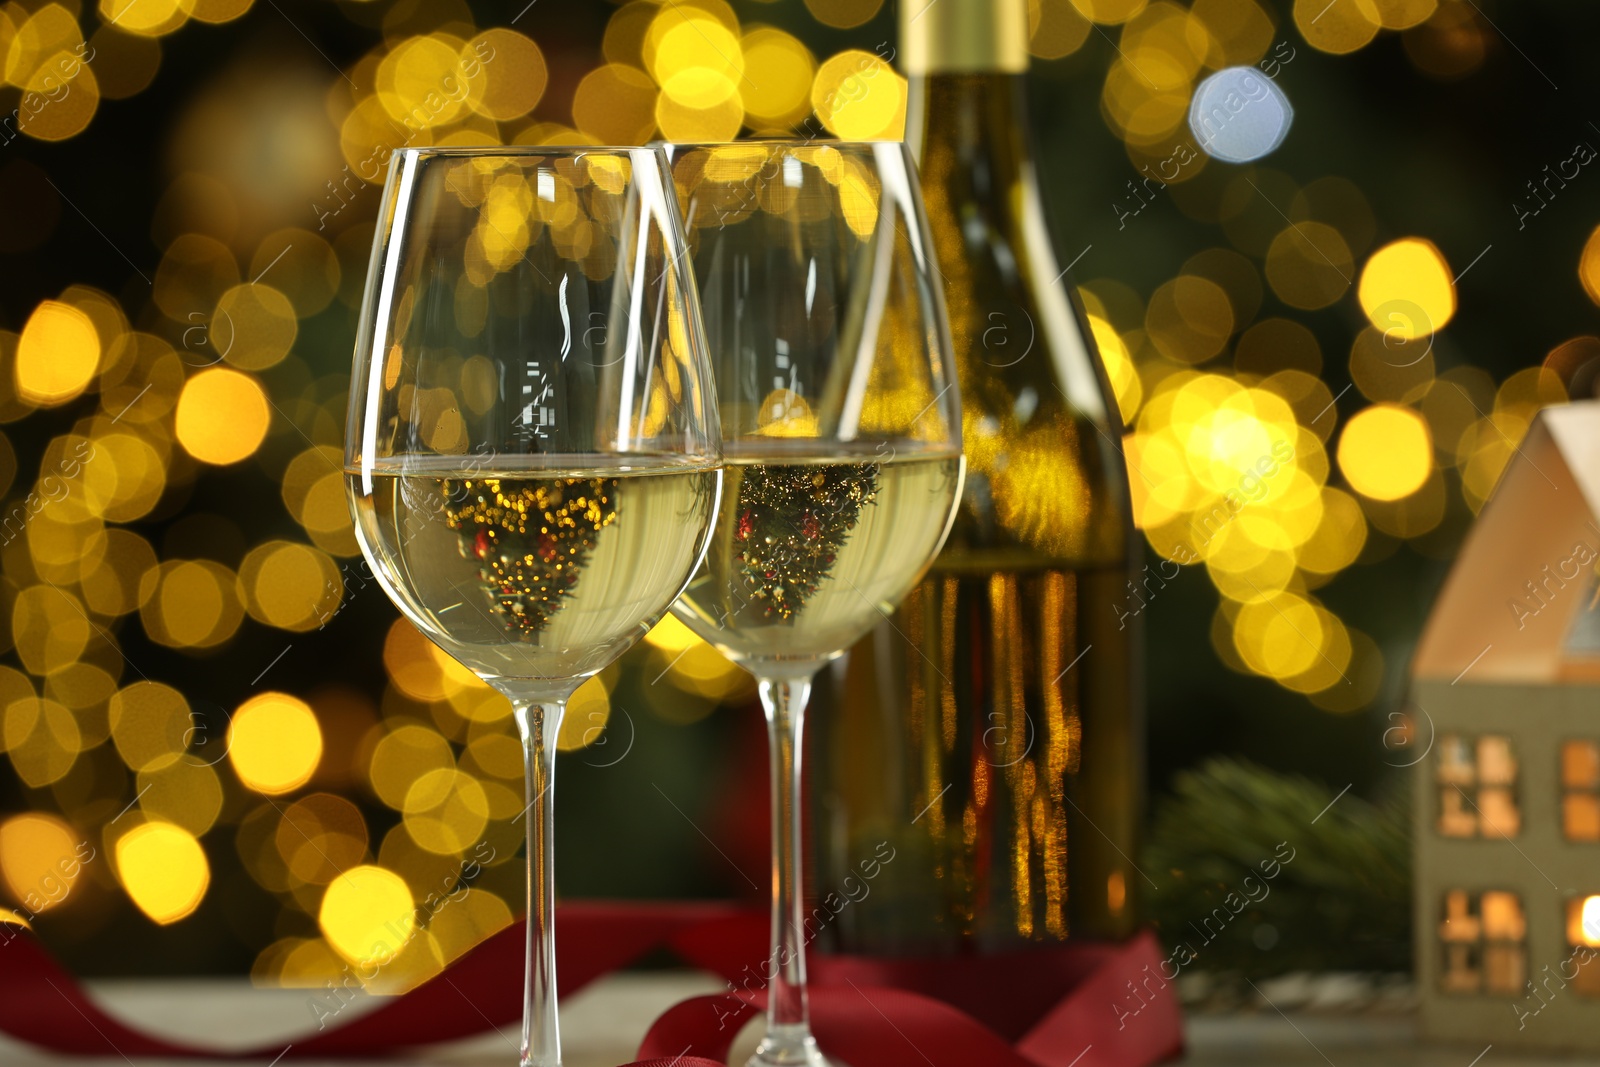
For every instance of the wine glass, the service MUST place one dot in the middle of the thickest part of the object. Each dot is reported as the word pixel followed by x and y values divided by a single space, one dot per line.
pixel 533 456
pixel 842 433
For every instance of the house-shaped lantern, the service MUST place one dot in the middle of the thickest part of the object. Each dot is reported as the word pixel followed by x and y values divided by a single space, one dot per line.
pixel 1505 703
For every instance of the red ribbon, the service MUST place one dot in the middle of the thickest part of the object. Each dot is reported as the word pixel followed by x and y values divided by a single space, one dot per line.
pixel 1095 1005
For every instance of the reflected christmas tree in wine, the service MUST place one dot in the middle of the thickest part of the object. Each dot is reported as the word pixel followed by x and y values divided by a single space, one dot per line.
pixel 531 540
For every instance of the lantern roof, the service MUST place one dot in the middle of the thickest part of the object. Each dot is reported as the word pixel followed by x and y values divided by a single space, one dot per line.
pixel 1522 602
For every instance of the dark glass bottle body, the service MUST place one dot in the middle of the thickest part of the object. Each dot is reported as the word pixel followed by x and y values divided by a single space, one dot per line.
pixel 991 730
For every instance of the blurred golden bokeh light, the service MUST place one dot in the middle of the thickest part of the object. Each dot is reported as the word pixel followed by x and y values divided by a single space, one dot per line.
pixel 40 860
pixel 1309 265
pixel 1388 365
pixel 846 14
pixel 320 836
pixel 69 113
pixel 57 354
pixel 274 743
pixel 679 121
pixel 403 756
pixel 615 104
pixel 1056 28
pixel 254 326
pixel 1340 27
pixel 476 916
pixel 446 811
pixel 367 915
pixel 421 669
pixel 43 740
pixel 194 272
pixel 163 869
pixel 185 792
pixel 1189 319
pixel 49 628
pixel 859 97
pixel 692 666
pixel 1109 12
pixel 1404 14
pixel 1120 368
pixel 588 712
pixel 290 585
pixel 1280 635
pixel 1451 44
pixel 190 604
pixel 1589 266
pixel 152 17
pixel 695 58
pixel 514 75
pixel 1586 930
pixel 782 96
pixel 1385 452
pixel 1406 289
pixel 222 416
pixel 150 724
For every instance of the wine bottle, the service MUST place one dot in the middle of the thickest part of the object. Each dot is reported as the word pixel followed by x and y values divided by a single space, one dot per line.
pixel 991 732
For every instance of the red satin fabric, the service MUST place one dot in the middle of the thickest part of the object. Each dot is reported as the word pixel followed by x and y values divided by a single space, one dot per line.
pixel 1066 1007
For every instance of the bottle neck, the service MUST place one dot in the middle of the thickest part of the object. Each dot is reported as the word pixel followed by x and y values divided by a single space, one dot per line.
pixel 965 61
pixel 970 127
pixel 963 36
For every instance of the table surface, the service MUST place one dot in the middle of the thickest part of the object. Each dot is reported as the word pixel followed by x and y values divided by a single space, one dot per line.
pixel 601 1027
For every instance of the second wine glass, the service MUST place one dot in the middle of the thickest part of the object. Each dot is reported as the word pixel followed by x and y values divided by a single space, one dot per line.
pixel 842 435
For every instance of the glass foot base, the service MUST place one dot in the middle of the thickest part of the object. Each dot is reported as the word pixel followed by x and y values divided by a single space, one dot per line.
pixel 793 1049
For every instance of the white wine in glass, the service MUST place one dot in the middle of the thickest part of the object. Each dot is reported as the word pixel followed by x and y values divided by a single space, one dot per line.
pixel 811 549
pixel 533 456
pixel 841 426
pixel 542 568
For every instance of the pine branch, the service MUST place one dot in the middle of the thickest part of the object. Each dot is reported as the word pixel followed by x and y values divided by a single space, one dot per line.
pixel 1343 902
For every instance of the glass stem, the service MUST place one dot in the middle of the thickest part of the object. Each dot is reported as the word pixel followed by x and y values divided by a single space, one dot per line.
pixel 539 724
pixel 788 1039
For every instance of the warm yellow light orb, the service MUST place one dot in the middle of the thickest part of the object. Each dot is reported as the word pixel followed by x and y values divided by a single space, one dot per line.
pixel 1589 919
pixel 615 104
pixel 587 714
pixel 1338 28
pixel 683 122
pixel 1124 376
pixel 671 636
pixel 1279 635
pixel 1407 293
pixel 1109 12
pixel 152 18
pixel 37 852
pixel 367 914
pixel 274 743
pixel 1385 452
pixel 787 67
pixel 254 326
pixel 401 757
pixel 290 585
pixel 698 61
pixel 164 870
pixel 69 113
pixel 859 97
pixel 222 416
pixel 423 79
pixel 514 79
pixel 195 605
pixel 1589 266
pixel 57 354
